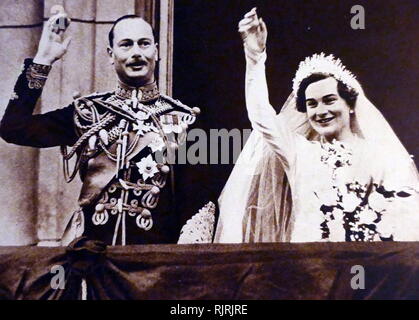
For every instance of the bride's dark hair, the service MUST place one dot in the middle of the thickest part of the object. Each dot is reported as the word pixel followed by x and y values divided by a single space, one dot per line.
pixel 346 93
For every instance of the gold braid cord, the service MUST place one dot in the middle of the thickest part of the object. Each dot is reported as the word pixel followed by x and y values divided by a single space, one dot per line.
pixel 92 129
pixel 110 118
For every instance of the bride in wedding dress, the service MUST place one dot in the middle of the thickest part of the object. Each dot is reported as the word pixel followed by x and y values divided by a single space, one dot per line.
pixel 328 167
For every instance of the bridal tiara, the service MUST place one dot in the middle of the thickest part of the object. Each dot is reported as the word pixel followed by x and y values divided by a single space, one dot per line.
pixel 320 63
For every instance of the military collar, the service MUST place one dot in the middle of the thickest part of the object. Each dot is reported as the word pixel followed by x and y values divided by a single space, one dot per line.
pixel 145 93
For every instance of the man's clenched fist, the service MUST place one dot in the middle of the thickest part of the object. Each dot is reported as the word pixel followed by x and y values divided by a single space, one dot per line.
pixel 52 45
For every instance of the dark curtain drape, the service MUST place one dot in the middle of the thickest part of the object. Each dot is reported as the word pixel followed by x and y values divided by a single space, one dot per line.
pixel 263 271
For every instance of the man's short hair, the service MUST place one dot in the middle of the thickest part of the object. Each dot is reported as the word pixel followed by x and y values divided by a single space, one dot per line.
pixel 128 16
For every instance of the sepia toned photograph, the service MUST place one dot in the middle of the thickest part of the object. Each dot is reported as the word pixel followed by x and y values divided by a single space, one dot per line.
pixel 228 150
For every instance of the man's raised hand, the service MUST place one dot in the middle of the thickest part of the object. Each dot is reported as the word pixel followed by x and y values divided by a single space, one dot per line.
pixel 52 45
pixel 253 31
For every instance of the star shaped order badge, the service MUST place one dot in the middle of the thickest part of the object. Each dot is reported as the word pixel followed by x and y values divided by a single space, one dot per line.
pixel 157 144
pixel 141 127
pixel 147 167
pixel 138 126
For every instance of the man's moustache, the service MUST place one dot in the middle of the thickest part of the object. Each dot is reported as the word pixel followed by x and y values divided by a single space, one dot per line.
pixel 137 63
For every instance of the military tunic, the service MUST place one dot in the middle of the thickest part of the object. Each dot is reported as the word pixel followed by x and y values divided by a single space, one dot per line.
pixel 124 144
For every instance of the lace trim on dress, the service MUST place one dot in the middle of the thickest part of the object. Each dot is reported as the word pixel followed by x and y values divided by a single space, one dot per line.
pixel 200 228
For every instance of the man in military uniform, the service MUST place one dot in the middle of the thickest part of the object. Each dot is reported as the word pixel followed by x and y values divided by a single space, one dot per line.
pixel 121 139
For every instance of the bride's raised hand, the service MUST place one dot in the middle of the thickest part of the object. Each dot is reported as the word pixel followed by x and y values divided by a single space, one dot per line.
pixel 253 31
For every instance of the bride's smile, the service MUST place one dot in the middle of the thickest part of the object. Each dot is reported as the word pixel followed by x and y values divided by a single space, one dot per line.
pixel 327 112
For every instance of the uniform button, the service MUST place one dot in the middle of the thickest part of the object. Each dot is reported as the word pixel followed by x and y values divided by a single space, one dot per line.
pixel 76 95
pixel 165 169
pixel 146 213
pixel 100 207
pixel 155 190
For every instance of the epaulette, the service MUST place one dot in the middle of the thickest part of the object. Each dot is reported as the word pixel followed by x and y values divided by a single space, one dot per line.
pixel 86 106
pixel 179 106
